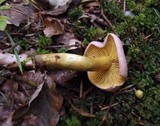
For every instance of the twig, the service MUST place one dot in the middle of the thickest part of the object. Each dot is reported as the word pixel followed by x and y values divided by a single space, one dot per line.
pixel 64 46
pixel 85 93
pixel 127 87
pixel 35 5
pixel 82 112
pixel 122 112
pixel 96 19
pixel 107 21
pixel 11 48
pixel 91 108
pixel 106 107
pixel 81 89
pixel 124 5
pixel 105 116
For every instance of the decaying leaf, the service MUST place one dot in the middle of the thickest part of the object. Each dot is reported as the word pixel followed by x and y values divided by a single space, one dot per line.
pixel 17 14
pixel 43 109
pixel 12 95
pixel 66 78
pixel 63 39
pixel 36 93
pixel 5 117
pixel 69 41
pixel 31 78
pixel 53 26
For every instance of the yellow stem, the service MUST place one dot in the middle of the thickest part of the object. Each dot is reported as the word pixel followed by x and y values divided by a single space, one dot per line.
pixel 72 62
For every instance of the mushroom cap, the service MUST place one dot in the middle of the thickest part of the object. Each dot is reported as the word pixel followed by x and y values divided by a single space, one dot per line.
pixel 113 77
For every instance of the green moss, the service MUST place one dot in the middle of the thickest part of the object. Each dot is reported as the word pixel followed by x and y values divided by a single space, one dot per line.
pixel 141 34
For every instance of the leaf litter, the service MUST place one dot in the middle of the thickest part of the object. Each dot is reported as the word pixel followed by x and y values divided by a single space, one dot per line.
pixel 18 13
pixel 33 98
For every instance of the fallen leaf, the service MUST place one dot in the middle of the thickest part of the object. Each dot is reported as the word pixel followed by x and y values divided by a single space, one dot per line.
pixel 36 93
pixel 68 41
pixel 30 78
pixel 66 78
pixel 63 39
pixel 43 109
pixel 17 14
pixel 5 117
pixel 53 26
pixel 12 95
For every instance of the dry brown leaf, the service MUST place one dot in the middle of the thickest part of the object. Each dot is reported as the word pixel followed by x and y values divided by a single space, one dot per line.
pixel 12 95
pixel 53 26
pixel 17 14
pixel 63 39
pixel 68 41
pixel 66 78
pixel 43 110
pixel 5 117
pixel 31 120
pixel 31 78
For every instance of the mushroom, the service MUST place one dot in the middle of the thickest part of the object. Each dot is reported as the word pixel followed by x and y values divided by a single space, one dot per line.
pixel 105 62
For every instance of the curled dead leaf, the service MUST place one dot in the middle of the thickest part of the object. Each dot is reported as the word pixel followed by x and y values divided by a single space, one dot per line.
pixel 53 26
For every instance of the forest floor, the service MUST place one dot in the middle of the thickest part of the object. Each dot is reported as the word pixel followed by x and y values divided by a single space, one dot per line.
pixel 42 97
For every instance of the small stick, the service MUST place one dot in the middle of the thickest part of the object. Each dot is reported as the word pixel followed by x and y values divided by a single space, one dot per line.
pixel 85 93
pixel 81 89
pixel 106 107
pixel 107 21
pixel 124 5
